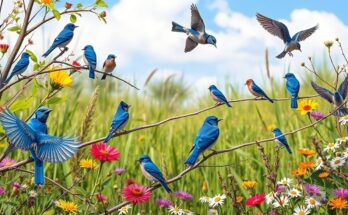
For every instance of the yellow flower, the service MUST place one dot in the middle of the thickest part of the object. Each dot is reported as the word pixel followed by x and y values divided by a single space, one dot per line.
pixel 239 199
pixel 60 78
pixel 307 106
pixel 338 203
pixel 249 184
pixel 88 164
pixel 306 152
pixel 270 127
pixel 67 206
pixel 141 138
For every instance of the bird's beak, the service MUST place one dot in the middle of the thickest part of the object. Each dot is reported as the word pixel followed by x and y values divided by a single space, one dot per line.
pixel 284 77
pixel 129 106
pixel 48 111
pixel 215 45
pixel 76 26
pixel 220 120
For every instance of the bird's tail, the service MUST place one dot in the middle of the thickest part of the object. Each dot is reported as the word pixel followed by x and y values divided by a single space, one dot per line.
pixel 39 175
pixel 8 78
pixel 281 55
pixel 9 149
pixel 103 77
pixel 288 149
pixel 228 104
pixel 48 51
pixel 177 28
pixel 109 135
pixel 191 160
pixel 268 98
pixel 293 102
pixel 91 72
pixel 165 186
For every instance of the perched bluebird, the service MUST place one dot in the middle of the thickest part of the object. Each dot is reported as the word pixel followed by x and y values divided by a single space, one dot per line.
pixel 337 98
pixel 90 59
pixel 109 65
pixel 42 146
pixel 196 34
pixel 280 30
pixel 281 140
pixel 152 173
pixel 293 87
pixel 63 38
pixel 205 139
pixel 20 67
pixel 217 95
pixel 256 90
pixel 119 121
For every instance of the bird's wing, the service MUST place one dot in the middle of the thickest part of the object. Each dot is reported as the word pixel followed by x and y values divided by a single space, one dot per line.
pixel 257 89
pixel 91 56
pixel 104 64
pixel 344 88
pixel 196 19
pixel 63 37
pixel 153 170
pixel 190 45
pixel 206 137
pixel 281 139
pixel 219 95
pixel 302 35
pixel 293 85
pixel 274 27
pixel 119 120
pixel 19 133
pixel 55 149
pixel 21 64
pixel 324 93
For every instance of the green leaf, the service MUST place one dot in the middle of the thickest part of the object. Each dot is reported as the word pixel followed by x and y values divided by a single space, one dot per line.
pixel 79 6
pixel 22 104
pixel 36 67
pixel 101 3
pixel 72 18
pixel 38 84
pixel 50 212
pixel 56 14
pixel 32 55
pixel 56 100
pixel 14 28
pixel 34 90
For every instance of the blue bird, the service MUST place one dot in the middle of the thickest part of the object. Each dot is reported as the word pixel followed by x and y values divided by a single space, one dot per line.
pixel 196 34
pixel 63 38
pixel 109 65
pixel 281 140
pixel 20 67
pixel 205 139
pixel 42 146
pixel 280 30
pixel 293 87
pixel 152 173
pixel 90 58
pixel 256 90
pixel 119 121
pixel 337 98
pixel 217 95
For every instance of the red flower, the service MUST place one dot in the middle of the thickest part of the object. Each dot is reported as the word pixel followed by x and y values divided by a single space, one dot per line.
pixel 100 197
pixel 103 152
pixel 68 5
pixel 30 42
pixel 3 48
pixel 76 64
pixel 136 193
pixel 255 200
pixel 102 14
pixel 130 181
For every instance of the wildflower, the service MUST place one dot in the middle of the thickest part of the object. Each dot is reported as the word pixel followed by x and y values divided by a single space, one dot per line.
pixel 119 171
pixel 282 202
pixel 343 120
pixel 77 66
pixel 217 200
pixel 239 199
pixel 319 164
pixel 4 48
pixel 102 14
pixel 299 172
pixel 67 5
pixel 104 152
pixel 183 195
pixel 307 165
pixel 307 106
pixel 341 192
pixel 269 198
pixel 136 193
pixel 341 140
pixel 88 164
pixel 163 203
pixel 255 200
pixel 317 115
pixel 338 203
pixel 306 152
pixel 204 199
pixel 249 184
pixel 102 198
pixel 280 188
pixel 60 78
pixel 15 185
pixel 332 147
pixel 67 206
pixel 205 186
pixel 7 162
pixel 175 210
pixel 293 193
pixel 311 189
pixel 301 210
pixel 345 153
pixel 32 193
pixel 270 127
pixel 323 174
pixel 312 202
pixel 285 181
pixel 337 162
pixel 188 212
pixel 2 190
pixel 130 181
pixel 141 138
pixel 124 209
pixel 328 43
pixel 30 42
pixel 212 211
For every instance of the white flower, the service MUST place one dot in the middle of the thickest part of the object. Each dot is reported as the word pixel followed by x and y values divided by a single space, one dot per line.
pixel 212 211
pixel 285 181
pixel 24 186
pixel 345 153
pixel 188 212
pixel 293 193
pixel 343 120
pixel 32 193
pixel 217 200
pixel 312 202
pixel 281 202
pixel 124 209
pixel 301 210
pixel 319 163
pixel 175 210
pixel 269 198
pixel 341 140
pixel 204 199
pixel 337 162
pixel 332 147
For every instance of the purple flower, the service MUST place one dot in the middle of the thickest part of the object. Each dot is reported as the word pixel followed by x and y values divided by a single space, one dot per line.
pixel 273 212
pixel 119 171
pixel 280 188
pixel 163 203
pixel 2 190
pixel 317 115
pixel 183 195
pixel 341 192
pixel 16 185
pixel 7 162
pixel 312 189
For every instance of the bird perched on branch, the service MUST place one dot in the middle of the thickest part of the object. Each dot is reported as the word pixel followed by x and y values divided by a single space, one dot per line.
pixel 119 121
pixel 256 90
pixel 109 65
pixel 196 34
pixel 152 173
pixel 281 139
pixel 218 96
pixel 63 38
pixel 20 67
pixel 337 98
pixel 293 87
pixel 90 59
pixel 205 139
pixel 280 30
pixel 33 137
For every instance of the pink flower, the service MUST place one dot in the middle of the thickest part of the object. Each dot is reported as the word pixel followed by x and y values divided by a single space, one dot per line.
pixel 76 64
pixel 253 201
pixel 311 189
pixel 68 5
pixel 119 171
pixel 16 185
pixel 3 48
pixel 2 190
pixel 280 188
pixel 317 115
pixel 163 203
pixel 100 197
pixel 183 195
pixel 136 193
pixel 103 152
pixel 30 41
pixel 341 192
pixel 130 181
pixel 7 162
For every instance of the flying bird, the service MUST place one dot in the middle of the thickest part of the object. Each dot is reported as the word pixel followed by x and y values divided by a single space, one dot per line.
pixel 32 137
pixel 218 96
pixel 152 173
pixel 20 67
pixel 256 90
pixel 281 139
pixel 337 98
pixel 119 121
pixel 63 38
pixel 205 139
pixel 293 87
pixel 90 59
pixel 196 34
pixel 109 65
pixel 280 30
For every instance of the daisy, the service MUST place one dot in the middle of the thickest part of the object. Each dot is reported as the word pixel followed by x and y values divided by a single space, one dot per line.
pixel 301 210
pixel 175 210
pixel 217 200
pixel 124 209
pixel 337 162
pixel 32 193
pixel 319 164
pixel 293 193
pixel 269 198
pixel 341 140
pixel 345 153
pixel 332 147
pixel 285 181
pixel 312 202
pixel 204 199
pixel 282 202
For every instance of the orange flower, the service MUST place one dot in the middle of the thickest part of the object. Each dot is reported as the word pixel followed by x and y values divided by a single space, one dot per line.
pixel 306 152
pixel 239 199
pixel 306 165
pixel 338 203
pixel 46 2
pixel 323 174
pixel 299 172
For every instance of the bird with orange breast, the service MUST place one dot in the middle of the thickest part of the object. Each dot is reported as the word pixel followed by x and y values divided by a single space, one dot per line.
pixel 256 90
pixel 109 65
